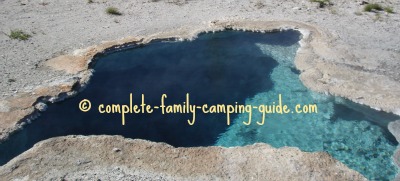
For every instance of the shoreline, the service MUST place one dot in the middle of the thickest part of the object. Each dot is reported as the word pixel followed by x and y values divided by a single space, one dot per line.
pixel 134 159
pixel 81 62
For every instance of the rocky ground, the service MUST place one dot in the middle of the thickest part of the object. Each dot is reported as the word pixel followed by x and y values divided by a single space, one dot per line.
pixel 349 53
pixel 59 27
pixel 117 158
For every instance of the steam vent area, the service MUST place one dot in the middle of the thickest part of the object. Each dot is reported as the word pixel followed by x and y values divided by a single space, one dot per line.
pixel 199 90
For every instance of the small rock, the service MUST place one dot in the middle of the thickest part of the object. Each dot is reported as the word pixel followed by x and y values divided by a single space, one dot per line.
pixel 14 167
pixel 41 106
pixel 116 150
pixel 296 8
pixel 363 3
pixel 82 162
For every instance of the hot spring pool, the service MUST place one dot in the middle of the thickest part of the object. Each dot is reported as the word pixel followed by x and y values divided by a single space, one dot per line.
pixel 228 68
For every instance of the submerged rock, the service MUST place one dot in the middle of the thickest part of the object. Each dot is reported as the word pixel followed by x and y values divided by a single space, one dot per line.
pixel 394 128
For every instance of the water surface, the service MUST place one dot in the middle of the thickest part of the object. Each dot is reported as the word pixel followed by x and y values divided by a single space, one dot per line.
pixel 219 68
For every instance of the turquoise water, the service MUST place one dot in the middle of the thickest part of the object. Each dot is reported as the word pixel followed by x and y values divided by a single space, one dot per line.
pixel 353 134
pixel 218 68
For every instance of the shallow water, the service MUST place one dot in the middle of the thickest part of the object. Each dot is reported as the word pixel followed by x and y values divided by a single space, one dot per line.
pixel 352 133
pixel 218 68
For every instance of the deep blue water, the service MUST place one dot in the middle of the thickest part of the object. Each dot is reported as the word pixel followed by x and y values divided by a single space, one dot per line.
pixel 215 68
pixel 218 68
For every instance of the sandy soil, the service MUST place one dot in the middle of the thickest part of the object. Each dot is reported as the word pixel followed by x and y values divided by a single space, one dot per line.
pixel 60 27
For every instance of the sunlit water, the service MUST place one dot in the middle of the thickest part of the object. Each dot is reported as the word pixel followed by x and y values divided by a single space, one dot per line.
pixel 218 68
